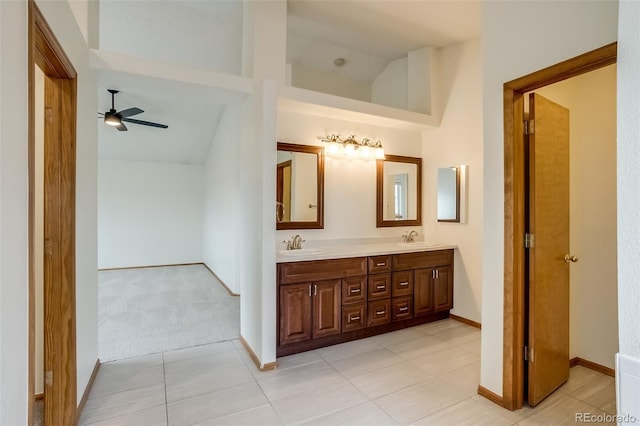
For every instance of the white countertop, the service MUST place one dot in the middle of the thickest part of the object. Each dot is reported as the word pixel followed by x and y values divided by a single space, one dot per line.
pixel 338 249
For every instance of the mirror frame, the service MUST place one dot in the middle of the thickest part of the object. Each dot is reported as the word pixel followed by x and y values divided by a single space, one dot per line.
pixel 457 218
pixel 380 222
pixel 319 151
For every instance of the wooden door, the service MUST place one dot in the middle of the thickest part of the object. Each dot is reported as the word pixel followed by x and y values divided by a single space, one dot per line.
pixel 327 308
pixel 283 191
pixel 548 333
pixel 443 289
pixel 423 292
pixel 295 313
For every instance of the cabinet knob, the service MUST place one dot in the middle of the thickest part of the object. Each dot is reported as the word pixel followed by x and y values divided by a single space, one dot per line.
pixel 404 308
pixel 381 264
pixel 380 312
pixel 404 284
pixel 355 290
pixel 354 318
pixel 381 287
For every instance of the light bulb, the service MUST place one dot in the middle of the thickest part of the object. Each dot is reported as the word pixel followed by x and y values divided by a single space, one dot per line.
pixel 380 153
pixel 333 148
pixel 365 152
pixel 349 149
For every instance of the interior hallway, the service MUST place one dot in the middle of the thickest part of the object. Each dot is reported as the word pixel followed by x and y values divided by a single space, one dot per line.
pixel 422 375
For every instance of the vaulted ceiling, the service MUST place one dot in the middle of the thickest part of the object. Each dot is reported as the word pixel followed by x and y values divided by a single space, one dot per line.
pixel 368 34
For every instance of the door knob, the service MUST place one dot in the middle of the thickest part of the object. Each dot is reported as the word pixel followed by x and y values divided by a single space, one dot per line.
pixel 568 258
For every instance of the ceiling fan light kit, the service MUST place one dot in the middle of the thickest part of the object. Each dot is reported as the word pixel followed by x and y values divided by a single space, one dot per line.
pixel 116 118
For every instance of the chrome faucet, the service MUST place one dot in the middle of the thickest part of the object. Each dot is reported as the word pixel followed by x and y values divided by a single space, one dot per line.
pixel 295 243
pixel 409 238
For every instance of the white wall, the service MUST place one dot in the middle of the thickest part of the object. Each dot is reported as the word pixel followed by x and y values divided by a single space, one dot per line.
pixel 328 82
pixel 390 87
pixel 222 228
pixel 458 141
pixel 551 32
pixel 14 204
pixel 14 213
pixel 349 186
pixel 591 99
pixel 193 33
pixel 628 391
pixel 149 213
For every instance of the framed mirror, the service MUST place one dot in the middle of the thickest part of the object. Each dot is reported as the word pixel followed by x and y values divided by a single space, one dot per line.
pixel 399 191
pixel 449 194
pixel 299 187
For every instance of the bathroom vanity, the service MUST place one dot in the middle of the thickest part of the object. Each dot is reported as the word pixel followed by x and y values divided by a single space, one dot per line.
pixel 327 297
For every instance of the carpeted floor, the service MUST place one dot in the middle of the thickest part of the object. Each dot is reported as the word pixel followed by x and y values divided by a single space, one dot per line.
pixel 149 310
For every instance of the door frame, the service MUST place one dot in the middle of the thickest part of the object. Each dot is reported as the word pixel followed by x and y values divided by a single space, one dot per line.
pixel 514 210
pixel 60 89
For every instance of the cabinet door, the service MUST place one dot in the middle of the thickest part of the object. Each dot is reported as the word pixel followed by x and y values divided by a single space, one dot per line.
pixel 327 309
pixel 378 312
pixel 295 313
pixel 423 292
pixel 443 289
pixel 354 290
pixel 402 284
pixel 401 308
pixel 354 317
pixel 379 286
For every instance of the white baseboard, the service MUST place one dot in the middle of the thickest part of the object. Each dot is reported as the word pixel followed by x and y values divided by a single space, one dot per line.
pixel 628 389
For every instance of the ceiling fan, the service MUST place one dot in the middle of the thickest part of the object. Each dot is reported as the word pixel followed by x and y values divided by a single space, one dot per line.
pixel 117 119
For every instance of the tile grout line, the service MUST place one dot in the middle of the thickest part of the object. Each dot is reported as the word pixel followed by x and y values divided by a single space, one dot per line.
pixel 164 380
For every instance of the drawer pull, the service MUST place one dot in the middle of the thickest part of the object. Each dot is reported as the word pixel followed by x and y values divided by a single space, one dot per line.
pixel 381 287
pixel 404 284
pixel 354 318
pixel 381 264
pixel 380 312
pixel 355 290
pixel 404 309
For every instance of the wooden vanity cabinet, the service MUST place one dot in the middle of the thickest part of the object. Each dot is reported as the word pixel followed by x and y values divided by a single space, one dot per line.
pixel 324 302
pixel 432 279
pixel 312 309
pixel 309 311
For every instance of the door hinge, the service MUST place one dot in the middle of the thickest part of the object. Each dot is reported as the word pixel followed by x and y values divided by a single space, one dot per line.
pixel 529 127
pixel 529 240
pixel 528 354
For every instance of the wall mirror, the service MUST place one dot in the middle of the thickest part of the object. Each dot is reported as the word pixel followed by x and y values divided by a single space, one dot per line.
pixel 300 187
pixel 449 194
pixel 399 191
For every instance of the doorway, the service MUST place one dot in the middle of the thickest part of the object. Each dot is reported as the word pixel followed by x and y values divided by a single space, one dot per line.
pixel 515 312
pixel 56 243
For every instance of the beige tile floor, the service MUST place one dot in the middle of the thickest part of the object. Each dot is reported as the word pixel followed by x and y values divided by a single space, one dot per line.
pixel 426 375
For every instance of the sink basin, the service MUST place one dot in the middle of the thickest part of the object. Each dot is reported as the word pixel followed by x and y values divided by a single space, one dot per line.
pixel 418 244
pixel 301 252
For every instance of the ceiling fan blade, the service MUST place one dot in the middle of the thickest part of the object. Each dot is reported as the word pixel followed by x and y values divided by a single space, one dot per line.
pixel 145 123
pixel 121 127
pixel 129 112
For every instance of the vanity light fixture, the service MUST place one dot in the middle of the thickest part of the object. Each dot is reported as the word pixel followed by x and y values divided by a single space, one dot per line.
pixel 352 148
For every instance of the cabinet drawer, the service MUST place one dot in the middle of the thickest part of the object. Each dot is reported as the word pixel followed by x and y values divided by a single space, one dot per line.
pixel 401 308
pixel 379 286
pixel 425 259
pixel 378 312
pixel 317 270
pixel 402 283
pixel 354 317
pixel 379 264
pixel 354 290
